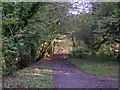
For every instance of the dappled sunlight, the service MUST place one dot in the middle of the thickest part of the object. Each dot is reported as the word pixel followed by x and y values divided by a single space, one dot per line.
pixel 46 70
pixel 48 59
pixel 39 39
pixel 37 69
pixel 71 73
pixel 42 70
pixel 65 73
pixel 36 74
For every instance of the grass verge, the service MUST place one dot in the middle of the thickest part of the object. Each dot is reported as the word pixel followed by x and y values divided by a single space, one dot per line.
pixel 96 68
pixel 38 75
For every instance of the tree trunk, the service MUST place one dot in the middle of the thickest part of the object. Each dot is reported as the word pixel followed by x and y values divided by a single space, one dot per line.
pixel 44 50
pixel 73 41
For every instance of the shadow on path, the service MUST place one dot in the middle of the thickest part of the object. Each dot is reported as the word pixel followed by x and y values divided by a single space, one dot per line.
pixel 68 76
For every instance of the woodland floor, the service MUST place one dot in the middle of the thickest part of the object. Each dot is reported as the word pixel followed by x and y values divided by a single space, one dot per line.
pixel 60 74
pixel 37 75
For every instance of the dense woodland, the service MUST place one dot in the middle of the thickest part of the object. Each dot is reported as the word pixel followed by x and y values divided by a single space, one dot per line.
pixel 30 30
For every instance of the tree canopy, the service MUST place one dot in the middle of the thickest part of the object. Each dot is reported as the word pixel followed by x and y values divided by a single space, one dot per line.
pixel 29 29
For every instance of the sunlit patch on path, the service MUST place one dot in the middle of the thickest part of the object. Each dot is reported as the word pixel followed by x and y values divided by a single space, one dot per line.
pixel 64 73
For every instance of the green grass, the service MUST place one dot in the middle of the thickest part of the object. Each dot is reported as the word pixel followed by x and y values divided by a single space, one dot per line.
pixel 36 76
pixel 96 68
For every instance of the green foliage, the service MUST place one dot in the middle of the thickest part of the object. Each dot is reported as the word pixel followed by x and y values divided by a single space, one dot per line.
pixel 29 29
pixel 100 26
pixel 105 54
pixel 78 54
pixel 21 38
pixel 107 25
